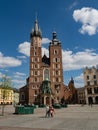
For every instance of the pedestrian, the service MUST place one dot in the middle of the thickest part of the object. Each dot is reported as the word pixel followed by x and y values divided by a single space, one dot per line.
pixel 47 111
pixel 51 111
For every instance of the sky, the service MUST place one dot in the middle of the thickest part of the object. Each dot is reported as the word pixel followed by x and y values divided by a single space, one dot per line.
pixel 76 25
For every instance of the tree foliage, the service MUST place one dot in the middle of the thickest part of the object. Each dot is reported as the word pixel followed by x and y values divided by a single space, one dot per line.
pixel 6 82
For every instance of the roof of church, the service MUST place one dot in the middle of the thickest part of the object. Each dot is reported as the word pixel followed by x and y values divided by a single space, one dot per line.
pixel 45 60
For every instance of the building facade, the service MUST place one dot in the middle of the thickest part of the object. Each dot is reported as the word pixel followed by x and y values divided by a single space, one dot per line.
pixel 45 81
pixel 81 95
pixel 70 93
pixel 91 85
pixel 6 96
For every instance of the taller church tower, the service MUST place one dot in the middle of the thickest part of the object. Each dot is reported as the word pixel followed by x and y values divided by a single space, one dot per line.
pixel 45 81
pixel 35 79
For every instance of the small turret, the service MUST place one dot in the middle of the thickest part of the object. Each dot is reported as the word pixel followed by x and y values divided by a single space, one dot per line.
pixel 54 41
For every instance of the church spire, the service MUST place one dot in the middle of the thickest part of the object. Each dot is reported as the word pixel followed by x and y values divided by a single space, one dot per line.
pixel 36 30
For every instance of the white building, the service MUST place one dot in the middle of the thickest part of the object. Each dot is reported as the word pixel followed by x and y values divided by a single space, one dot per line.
pixel 91 85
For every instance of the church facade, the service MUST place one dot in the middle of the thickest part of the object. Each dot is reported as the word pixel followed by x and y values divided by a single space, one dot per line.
pixel 45 82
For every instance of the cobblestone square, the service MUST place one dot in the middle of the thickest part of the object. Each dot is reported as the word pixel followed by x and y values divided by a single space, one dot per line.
pixel 74 117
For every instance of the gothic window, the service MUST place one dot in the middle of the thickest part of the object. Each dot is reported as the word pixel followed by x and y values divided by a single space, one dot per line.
pixel 35 53
pixel 55 52
pixel 35 79
pixel 22 96
pixel 46 74
pixel 36 73
pixel 35 92
pixel 56 72
pixel 56 65
pixel 56 79
pixel 35 59
pixel 35 65
pixel 57 59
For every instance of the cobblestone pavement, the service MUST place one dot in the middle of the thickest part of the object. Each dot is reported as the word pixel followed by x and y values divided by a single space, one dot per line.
pixel 74 117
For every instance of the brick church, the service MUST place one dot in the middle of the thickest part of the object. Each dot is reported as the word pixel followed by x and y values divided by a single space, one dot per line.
pixel 45 82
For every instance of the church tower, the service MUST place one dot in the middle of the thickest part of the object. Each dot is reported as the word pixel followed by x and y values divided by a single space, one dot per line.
pixel 56 71
pixel 35 78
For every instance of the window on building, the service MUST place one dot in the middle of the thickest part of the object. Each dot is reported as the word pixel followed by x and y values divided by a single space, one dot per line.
pixel 87 77
pixel 35 92
pixel 55 51
pixel 88 83
pixel 96 90
pixel 35 59
pixel 89 90
pixel 46 74
pixel 95 82
pixel 22 96
pixel 56 65
pixel 35 66
pixel 35 53
pixel 36 73
pixel 94 76
pixel 35 79
pixel 56 79
pixel 56 72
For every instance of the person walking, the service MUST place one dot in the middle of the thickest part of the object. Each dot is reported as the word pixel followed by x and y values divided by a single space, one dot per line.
pixel 47 111
pixel 51 111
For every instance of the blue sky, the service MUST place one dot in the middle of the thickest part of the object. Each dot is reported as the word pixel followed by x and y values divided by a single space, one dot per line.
pixel 76 24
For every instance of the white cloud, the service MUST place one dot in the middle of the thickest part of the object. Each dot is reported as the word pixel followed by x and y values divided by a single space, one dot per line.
pixel 78 60
pixel 71 61
pixel 24 48
pixel 6 61
pixel 79 81
pixel 45 51
pixel 89 19
pixel 21 57
pixel 45 41
pixel 18 83
pixel 19 75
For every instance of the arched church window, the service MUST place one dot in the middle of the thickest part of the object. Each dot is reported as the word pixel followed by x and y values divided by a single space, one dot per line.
pixel 46 74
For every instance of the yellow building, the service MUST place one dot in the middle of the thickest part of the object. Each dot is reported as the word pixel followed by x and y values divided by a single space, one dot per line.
pixel 6 96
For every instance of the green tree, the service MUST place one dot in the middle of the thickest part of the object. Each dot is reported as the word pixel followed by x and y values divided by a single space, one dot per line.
pixel 6 86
